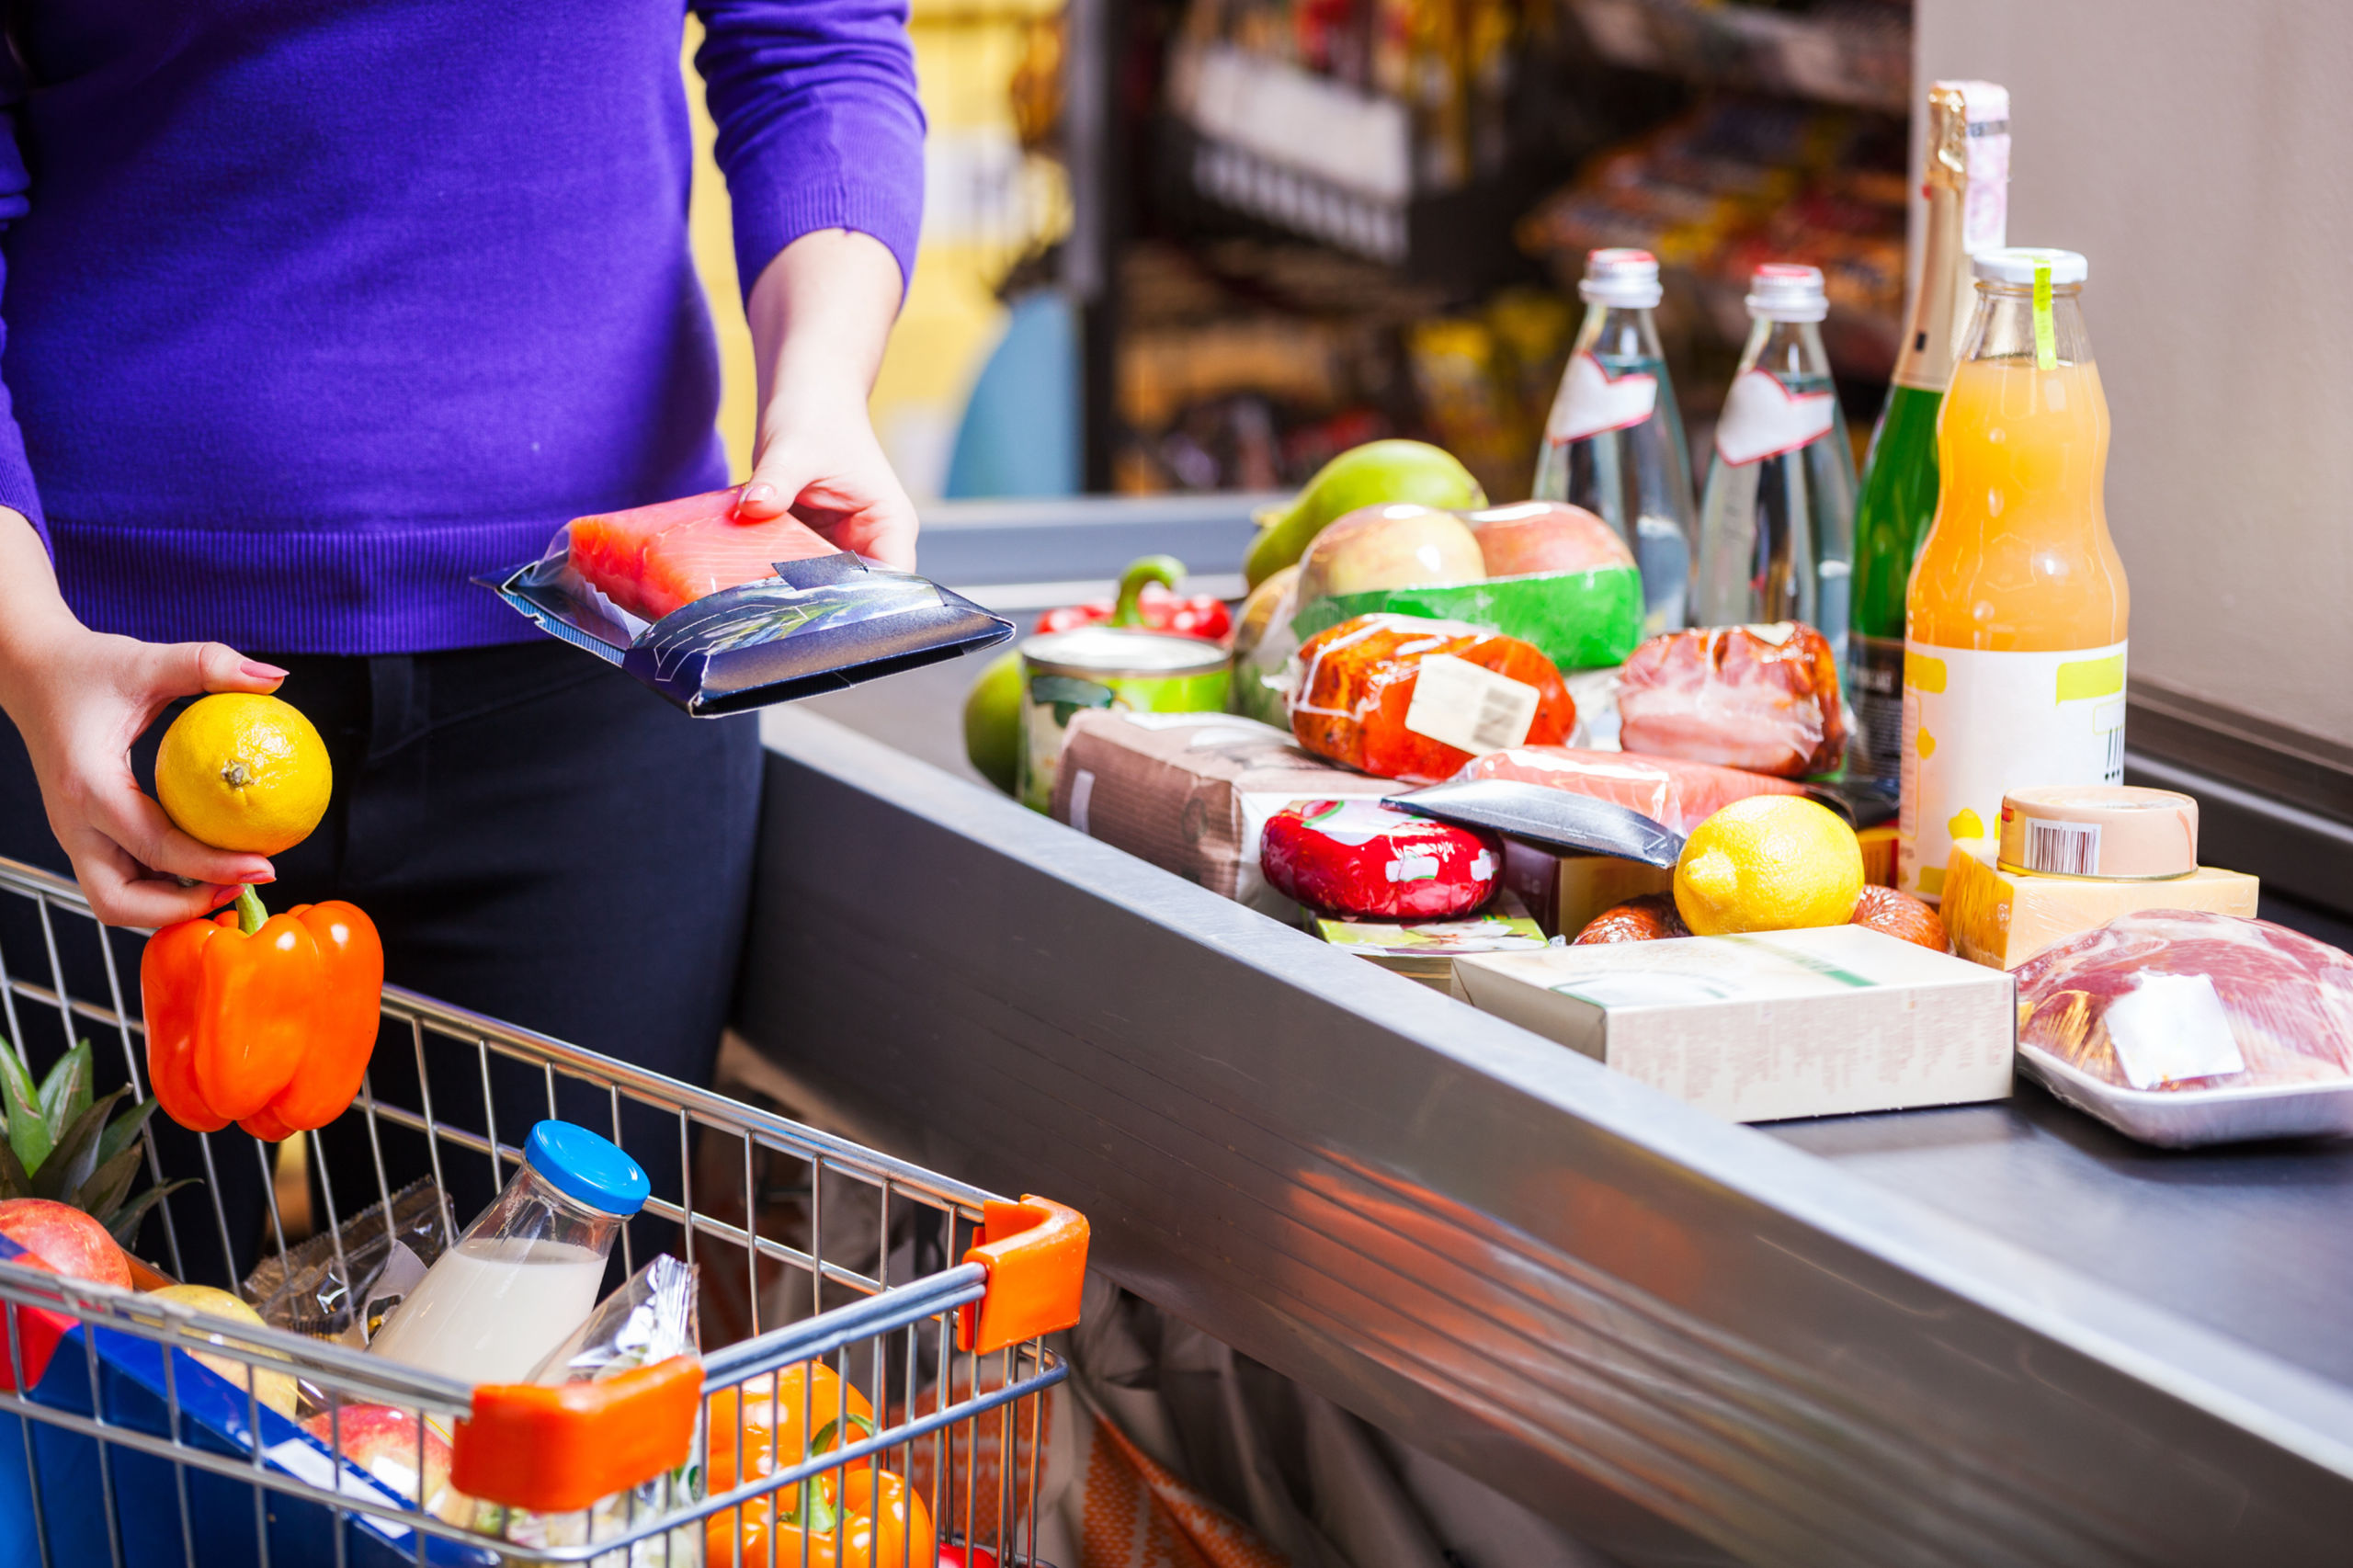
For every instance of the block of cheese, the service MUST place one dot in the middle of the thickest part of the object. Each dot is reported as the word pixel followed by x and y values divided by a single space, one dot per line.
pixel 2003 918
pixel 1879 854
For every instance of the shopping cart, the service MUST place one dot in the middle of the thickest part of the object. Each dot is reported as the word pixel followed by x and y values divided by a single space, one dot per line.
pixel 117 1445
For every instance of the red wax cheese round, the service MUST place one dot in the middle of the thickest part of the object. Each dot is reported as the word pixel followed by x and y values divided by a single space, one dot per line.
pixel 1362 857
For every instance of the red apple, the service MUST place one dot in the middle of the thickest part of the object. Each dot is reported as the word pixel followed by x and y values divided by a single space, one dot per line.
pixel 1545 536
pixel 1399 545
pixel 66 1239
pixel 381 1440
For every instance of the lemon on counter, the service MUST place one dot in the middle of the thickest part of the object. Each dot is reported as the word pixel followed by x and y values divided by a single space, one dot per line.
pixel 239 770
pixel 1768 863
pixel 275 1390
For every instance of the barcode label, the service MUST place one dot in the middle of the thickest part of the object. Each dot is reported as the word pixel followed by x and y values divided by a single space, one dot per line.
pixel 2115 772
pixel 1470 707
pixel 2066 848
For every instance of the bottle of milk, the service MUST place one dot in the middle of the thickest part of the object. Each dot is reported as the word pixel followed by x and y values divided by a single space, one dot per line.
pixel 525 1275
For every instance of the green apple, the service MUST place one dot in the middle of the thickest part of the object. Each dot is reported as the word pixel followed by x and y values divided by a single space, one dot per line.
pixel 993 720
pixel 1362 476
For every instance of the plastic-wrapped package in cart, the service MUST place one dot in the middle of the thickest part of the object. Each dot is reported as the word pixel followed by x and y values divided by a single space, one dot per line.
pixel 2186 1026
pixel 1362 857
pixel 1678 795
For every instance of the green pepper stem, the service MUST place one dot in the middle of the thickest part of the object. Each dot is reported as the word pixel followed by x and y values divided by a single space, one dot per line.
pixel 250 914
pixel 1165 569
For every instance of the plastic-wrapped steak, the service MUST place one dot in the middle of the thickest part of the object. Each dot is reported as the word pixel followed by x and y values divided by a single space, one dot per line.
pixel 1362 857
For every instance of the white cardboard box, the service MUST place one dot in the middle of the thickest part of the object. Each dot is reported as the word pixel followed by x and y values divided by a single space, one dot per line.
pixel 1771 1025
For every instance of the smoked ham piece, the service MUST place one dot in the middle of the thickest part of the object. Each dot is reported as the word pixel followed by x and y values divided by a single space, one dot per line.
pixel 1358 697
pixel 1759 698
pixel 652 560
pixel 2286 1002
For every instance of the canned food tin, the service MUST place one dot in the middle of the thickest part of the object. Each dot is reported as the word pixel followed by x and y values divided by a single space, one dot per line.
pixel 1106 666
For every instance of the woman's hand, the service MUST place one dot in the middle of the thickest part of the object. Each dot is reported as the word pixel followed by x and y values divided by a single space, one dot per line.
pixel 821 313
pixel 80 699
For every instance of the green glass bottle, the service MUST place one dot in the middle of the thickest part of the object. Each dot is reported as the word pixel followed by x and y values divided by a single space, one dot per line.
pixel 1967 192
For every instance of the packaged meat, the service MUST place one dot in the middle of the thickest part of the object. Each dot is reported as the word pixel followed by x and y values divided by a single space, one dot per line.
pixel 2186 999
pixel 1759 698
pixel 1678 795
pixel 1192 792
pixel 652 560
pixel 1900 914
pixel 1362 857
pixel 1402 698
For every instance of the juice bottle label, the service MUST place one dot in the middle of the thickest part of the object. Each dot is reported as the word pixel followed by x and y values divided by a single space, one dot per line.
pixel 1593 401
pixel 1763 418
pixel 1977 726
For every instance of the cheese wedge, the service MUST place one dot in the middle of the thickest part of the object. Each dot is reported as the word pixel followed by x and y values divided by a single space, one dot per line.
pixel 2003 918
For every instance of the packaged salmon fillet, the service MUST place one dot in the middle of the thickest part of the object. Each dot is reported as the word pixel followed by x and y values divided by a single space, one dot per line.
pixel 720 615
pixel 1677 795
pixel 1402 698
pixel 1760 698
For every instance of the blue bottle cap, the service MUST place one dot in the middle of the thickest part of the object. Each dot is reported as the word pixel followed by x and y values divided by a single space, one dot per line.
pixel 578 1163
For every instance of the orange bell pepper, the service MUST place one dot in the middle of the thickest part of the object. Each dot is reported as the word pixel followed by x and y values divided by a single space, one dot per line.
pixel 267 1020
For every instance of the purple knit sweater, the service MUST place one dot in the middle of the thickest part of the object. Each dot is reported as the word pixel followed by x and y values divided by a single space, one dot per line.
pixel 317 308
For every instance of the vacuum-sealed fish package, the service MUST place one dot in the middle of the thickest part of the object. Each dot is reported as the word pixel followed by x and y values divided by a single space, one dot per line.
pixel 720 615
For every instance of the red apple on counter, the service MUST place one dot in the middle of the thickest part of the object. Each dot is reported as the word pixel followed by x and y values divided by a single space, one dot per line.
pixel 66 1239
pixel 382 1440
pixel 1397 545
pixel 1545 536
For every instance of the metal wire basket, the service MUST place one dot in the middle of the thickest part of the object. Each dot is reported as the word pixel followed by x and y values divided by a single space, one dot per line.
pixel 118 1444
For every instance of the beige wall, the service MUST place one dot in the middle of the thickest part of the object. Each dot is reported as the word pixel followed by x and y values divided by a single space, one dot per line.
pixel 2201 154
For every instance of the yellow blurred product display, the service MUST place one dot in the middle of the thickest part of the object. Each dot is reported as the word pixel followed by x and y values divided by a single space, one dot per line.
pixel 2003 918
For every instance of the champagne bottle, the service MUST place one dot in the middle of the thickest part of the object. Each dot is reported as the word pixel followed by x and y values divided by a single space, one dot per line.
pixel 1967 186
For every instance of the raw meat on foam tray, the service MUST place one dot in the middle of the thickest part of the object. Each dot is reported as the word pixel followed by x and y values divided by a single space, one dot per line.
pixel 652 560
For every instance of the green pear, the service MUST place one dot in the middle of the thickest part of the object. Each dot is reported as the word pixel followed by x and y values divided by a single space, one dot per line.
pixel 1362 476
pixel 993 720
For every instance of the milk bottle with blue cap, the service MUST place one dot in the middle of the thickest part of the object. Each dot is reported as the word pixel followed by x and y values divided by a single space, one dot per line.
pixel 526 1274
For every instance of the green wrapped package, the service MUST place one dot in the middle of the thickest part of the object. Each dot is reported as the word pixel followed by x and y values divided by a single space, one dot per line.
pixel 1577 619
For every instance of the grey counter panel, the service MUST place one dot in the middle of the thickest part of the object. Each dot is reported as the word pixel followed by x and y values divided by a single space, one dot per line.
pixel 1688 1341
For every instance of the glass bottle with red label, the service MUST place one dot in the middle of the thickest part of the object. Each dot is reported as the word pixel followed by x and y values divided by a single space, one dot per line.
pixel 1777 525
pixel 1613 443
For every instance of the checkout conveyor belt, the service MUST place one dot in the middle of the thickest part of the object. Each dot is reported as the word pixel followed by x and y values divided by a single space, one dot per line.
pixel 1990 1334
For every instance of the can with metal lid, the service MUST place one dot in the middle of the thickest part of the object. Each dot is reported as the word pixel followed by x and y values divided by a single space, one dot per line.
pixel 1106 666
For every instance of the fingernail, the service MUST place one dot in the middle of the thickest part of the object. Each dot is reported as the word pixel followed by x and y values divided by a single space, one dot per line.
pixel 760 495
pixel 257 878
pixel 256 670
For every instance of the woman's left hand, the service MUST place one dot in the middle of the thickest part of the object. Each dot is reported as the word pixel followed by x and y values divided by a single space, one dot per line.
pixel 821 315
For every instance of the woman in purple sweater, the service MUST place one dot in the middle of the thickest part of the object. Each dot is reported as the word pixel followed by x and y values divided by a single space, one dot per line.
pixel 316 309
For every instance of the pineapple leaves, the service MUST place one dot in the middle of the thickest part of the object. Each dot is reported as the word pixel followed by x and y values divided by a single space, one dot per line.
pixel 65 1093
pixel 75 1155
pixel 123 1131
pixel 124 1227
pixel 27 1132
pixel 14 1182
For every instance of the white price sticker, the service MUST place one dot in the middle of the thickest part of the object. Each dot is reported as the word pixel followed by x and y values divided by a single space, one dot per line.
pixel 2170 1028
pixel 1470 707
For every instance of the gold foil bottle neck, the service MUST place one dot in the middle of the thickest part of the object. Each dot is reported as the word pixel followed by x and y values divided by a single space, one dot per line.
pixel 1949 136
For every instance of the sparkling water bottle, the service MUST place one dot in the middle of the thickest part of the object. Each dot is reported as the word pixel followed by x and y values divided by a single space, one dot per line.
pixel 1777 527
pixel 1614 442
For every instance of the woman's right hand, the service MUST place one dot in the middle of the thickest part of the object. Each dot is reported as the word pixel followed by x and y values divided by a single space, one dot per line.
pixel 79 698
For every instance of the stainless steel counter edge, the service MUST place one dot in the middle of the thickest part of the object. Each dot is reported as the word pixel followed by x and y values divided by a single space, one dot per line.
pixel 1681 1338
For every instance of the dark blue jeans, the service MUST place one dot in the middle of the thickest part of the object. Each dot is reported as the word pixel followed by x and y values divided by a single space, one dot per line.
pixel 536 838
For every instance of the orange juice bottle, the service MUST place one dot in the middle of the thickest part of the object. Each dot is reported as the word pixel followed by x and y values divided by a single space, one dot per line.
pixel 2014 620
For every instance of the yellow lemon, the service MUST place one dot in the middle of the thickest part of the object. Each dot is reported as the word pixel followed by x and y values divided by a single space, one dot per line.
pixel 275 1390
pixel 242 771
pixel 1768 863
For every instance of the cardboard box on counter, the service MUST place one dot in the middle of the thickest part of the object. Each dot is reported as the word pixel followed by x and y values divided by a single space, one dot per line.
pixel 2003 918
pixel 1770 1025
pixel 1192 792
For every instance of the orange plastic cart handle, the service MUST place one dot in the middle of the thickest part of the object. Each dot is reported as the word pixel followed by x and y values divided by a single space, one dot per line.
pixel 1035 1252
pixel 562 1447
